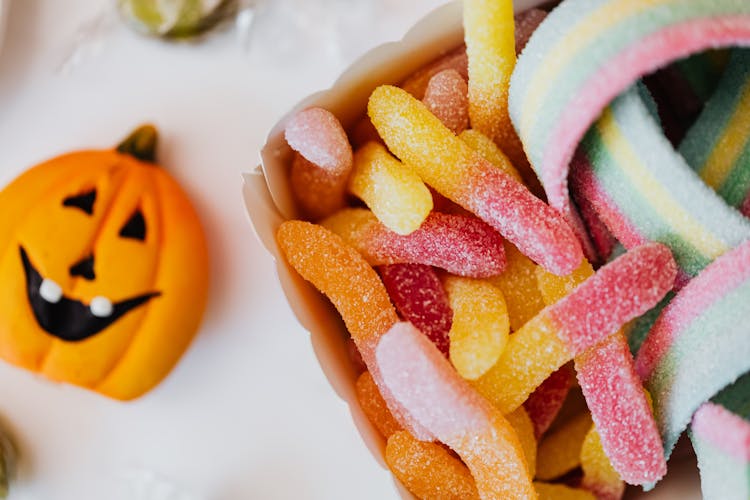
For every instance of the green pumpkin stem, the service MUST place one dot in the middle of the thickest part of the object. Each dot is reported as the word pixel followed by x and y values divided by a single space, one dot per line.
pixel 141 144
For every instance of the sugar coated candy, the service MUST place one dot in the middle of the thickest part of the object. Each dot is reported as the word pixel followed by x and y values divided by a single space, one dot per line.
pixel 323 162
pixel 419 297
pixel 489 151
pixel 480 325
pixel 560 451
pixel 339 272
pixel 614 394
pixel 456 60
pixel 545 402
pixel 319 137
pixel 519 286
pixel 699 344
pixel 524 427
pixel 720 433
pixel 317 192
pixel 490 47
pixel 451 167
pixel 618 292
pixel 428 470
pixel 717 146
pixel 433 394
pixel 462 245
pixel 644 190
pixel 599 477
pixel 446 98
pixel 566 77
pixel 375 407
pixel 394 193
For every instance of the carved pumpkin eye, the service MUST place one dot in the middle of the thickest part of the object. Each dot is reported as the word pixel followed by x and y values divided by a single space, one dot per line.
pixel 135 227
pixel 83 201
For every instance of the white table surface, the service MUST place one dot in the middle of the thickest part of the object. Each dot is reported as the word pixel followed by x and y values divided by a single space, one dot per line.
pixel 247 413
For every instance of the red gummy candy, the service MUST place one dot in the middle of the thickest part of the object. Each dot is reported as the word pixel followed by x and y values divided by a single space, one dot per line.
pixel 419 297
pixel 545 402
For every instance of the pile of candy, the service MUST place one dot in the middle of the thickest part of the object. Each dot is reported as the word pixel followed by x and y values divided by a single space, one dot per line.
pixel 511 348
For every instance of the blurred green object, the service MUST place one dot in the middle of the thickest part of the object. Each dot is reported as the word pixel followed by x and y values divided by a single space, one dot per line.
pixel 176 19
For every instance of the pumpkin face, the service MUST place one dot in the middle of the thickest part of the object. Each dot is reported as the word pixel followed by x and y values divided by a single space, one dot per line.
pixel 104 271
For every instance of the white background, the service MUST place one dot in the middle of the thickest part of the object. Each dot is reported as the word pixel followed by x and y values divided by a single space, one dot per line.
pixel 247 413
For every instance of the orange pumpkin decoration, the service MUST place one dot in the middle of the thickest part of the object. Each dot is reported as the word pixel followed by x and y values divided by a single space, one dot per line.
pixel 103 269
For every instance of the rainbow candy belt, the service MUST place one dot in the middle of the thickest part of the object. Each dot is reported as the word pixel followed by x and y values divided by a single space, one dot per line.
pixel 575 106
pixel 589 51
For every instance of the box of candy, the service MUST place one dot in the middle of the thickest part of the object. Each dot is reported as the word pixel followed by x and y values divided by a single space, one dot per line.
pixel 508 404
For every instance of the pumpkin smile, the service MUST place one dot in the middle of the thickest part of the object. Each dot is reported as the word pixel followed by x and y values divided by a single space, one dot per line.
pixel 69 319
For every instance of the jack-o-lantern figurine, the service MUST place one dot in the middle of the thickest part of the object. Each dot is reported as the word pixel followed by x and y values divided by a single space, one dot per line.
pixel 103 269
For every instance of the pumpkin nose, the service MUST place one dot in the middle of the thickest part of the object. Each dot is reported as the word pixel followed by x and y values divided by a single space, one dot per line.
pixel 84 268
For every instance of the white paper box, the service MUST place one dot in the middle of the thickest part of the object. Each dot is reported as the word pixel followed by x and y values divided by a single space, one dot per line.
pixel 268 202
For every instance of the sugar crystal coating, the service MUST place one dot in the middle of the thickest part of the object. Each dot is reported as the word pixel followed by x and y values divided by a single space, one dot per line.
pixel 519 286
pixel 480 325
pixel 530 356
pixel 720 433
pixel 456 60
pixel 318 136
pixel 614 395
pixel 599 477
pixel 524 427
pixel 526 23
pixel 565 77
pixel 462 245
pixel 721 440
pixel 394 193
pixel 375 407
pixel 618 292
pixel 490 47
pixel 341 274
pixel 623 416
pixel 317 192
pixel 489 151
pixel 425 383
pixel 449 165
pixel 699 344
pixel 419 297
pixel 428 470
pixel 446 98
pixel 644 190
pixel 545 402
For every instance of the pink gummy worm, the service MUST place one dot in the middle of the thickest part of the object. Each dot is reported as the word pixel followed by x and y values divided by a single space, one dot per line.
pixel 536 229
pixel 319 137
pixel 620 291
pixel 620 410
pixel 545 402
pixel 419 297
pixel 426 385
pixel 462 245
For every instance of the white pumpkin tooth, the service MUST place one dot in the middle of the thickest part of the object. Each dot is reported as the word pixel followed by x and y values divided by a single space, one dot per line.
pixel 101 307
pixel 50 291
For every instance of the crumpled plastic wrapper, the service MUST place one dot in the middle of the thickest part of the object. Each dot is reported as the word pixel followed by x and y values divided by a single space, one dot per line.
pixel 169 20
